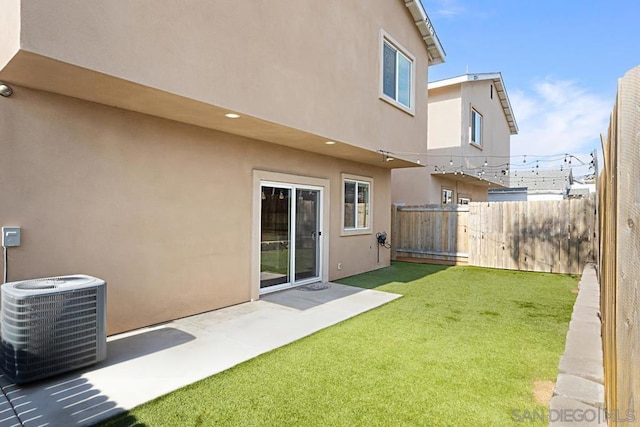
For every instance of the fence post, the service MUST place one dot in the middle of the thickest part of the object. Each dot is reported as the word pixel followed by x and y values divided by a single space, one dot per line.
pixel 395 232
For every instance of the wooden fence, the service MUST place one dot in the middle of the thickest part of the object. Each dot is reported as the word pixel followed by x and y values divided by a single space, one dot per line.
pixel 552 236
pixel 435 233
pixel 555 236
pixel 619 254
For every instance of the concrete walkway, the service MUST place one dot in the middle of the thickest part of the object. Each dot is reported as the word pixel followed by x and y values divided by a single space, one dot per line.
pixel 148 363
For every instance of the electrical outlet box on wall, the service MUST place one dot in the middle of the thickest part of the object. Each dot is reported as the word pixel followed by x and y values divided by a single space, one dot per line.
pixel 10 236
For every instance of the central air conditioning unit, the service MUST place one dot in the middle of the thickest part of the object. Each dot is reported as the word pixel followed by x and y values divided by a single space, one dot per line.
pixel 53 325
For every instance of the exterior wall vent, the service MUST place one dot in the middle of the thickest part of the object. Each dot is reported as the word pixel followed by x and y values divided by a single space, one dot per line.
pixel 52 325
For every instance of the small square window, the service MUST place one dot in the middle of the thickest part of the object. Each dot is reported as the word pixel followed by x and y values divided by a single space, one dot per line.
pixel 397 75
pixel 357 205
pixel 476 128
pixel 447 196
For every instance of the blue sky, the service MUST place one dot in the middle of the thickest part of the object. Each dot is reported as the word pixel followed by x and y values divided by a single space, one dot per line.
pixel 560 61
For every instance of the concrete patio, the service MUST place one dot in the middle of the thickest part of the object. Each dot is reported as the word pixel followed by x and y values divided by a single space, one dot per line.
pixel 147 363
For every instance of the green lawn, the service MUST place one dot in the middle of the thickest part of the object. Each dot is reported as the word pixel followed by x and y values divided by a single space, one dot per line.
pixel 462 347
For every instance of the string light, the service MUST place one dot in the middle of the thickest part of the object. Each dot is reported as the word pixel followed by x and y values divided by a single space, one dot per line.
pixel 508 166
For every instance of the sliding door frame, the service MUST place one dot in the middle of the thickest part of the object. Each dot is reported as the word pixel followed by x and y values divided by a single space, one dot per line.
pixel 270 178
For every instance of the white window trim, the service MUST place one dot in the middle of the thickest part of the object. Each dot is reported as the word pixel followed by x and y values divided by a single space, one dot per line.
pixel 442 200
pixel 384 36
pixel 471 141
pixel 356 231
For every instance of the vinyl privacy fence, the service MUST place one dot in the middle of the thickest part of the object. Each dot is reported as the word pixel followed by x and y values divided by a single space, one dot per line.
pixel 549 236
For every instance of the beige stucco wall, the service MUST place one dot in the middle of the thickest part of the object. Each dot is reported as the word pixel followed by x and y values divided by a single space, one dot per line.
pixel 449 133
pixel 161 210
pixel 306 65
pixel 414 186
pixel 446 123
pixel 9 30
pixel 496 132
pixel 477 192
pixel 408 186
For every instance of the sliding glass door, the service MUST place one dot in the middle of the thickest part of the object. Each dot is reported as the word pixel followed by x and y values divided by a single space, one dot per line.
pixel 307 232
pixel 290 235
pixel 275 239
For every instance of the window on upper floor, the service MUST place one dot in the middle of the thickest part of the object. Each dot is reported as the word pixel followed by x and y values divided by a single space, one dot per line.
pixel 357 205
pixel 397 75
pixel 476 128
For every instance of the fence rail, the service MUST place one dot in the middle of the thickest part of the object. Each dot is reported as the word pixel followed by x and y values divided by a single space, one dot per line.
pixel 551 236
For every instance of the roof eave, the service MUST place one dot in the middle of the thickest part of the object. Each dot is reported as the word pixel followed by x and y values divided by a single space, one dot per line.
pixel 437 54
pixel 506 104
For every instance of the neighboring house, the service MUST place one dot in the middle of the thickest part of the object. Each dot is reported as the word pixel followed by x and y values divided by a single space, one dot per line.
pixel 579 192
pixel 516 194
pixel 198 154
pixel 582 188
pixel 538 184
pixel 470 127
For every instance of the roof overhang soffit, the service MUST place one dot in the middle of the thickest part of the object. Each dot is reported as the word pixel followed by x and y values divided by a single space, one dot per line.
pixel 421 19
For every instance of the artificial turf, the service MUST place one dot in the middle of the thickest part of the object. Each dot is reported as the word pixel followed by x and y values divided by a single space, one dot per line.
pixel 462 347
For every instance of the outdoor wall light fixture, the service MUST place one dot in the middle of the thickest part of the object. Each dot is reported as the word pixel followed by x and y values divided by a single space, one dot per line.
pixel 232 116
pixel 386 157
pixel 330 142
pixel 5 90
